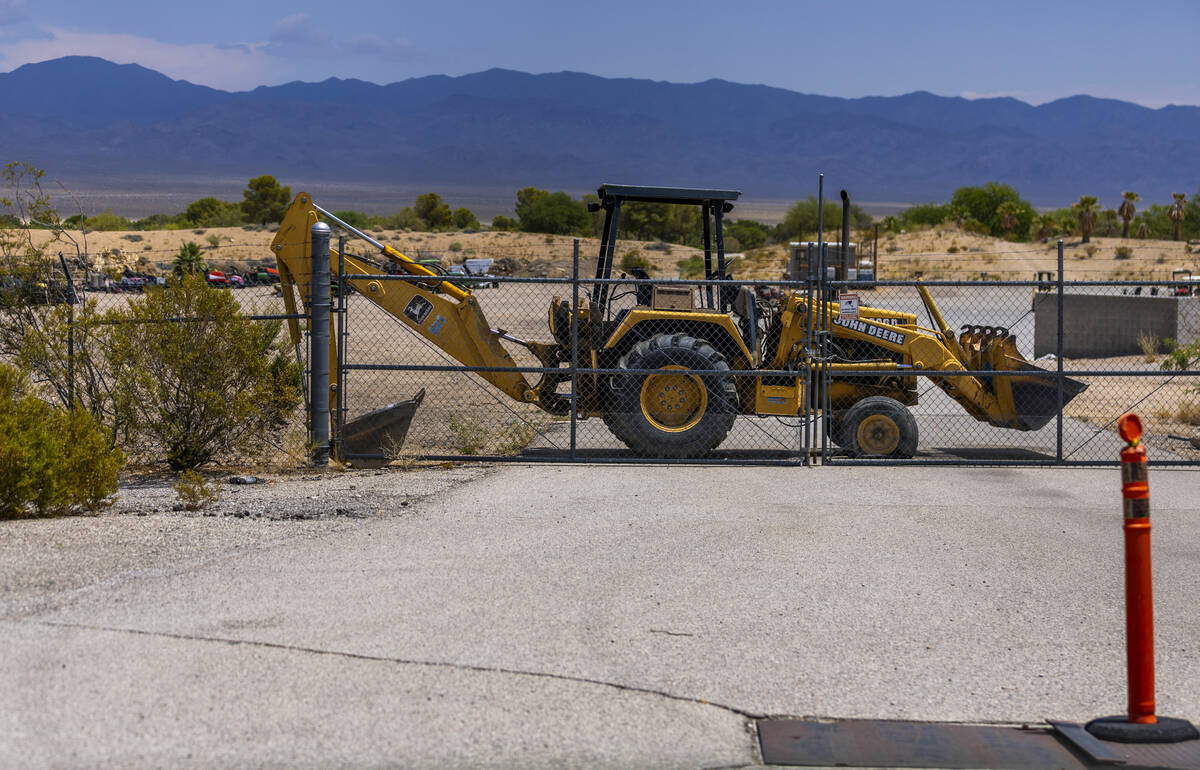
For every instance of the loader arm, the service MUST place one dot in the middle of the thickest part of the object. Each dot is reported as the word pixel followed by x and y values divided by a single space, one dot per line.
pixel 453 321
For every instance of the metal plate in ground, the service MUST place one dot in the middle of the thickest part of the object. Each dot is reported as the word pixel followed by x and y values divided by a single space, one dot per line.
pixel 872 743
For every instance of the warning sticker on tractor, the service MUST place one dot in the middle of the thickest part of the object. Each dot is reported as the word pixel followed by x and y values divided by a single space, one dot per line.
pixel 847 305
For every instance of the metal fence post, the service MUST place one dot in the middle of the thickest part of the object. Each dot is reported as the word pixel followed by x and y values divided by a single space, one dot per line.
pixel 574 343
pixel 339 406
pixel 1059 353
pixel 318 323
pixel 70 331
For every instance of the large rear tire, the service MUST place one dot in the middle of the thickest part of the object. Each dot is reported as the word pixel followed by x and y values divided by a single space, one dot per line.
pixel 878 426
pixel 685 409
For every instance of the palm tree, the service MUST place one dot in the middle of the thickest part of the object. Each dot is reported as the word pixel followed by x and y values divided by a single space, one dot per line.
pixel 1047 225
pixel 1127 210
pixel 1009 214
pixel 1086 205
pixel 1176 212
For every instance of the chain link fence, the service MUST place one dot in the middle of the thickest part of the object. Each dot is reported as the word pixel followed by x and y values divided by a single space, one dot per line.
pixel 641 369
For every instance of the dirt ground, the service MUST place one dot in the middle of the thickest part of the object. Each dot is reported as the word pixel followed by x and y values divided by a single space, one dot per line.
pixel 942 252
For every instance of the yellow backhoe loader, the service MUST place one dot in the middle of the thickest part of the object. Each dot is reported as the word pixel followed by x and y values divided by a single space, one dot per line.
pixel 685 363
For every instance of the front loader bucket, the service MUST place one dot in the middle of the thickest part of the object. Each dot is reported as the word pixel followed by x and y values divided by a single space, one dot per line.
pixel 1029 401
pixel 380 432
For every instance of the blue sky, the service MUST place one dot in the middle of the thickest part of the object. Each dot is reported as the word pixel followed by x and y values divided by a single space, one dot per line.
pixel 1034 51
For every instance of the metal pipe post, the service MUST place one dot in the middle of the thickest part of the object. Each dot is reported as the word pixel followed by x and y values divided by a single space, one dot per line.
pixel 318 356
pixel 574 342
pixel 339 409
pixel 1059 354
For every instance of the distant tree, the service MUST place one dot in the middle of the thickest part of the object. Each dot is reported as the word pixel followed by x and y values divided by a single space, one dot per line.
pixel 749 233
pixel 1086 211
pixel 1127 210
pixel 501 222
pixel 924 214
pixel 801 218
pixel 404 219
pixel 1046 225
pixel 107 220
pixel 526 197
pixel 555 213
pixel 189 259
pixel 1009 213
pixel 1107 223
pixel 433 211
pixel 265 202
pixel 211 212
pixel 355 219
pixel 983 205
pixel 464 218
pixel 1177 212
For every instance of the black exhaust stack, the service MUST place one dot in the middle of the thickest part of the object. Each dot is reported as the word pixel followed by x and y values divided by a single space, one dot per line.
pixel 844 273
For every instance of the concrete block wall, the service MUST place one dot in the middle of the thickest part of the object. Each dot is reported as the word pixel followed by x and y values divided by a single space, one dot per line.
pixel 1099 326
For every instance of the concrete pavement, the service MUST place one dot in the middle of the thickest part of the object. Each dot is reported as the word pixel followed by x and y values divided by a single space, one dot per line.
pixel 614 616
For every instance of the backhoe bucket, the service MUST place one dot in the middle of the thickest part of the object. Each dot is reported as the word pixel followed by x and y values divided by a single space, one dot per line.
pixel 380 432
pixel 1029 401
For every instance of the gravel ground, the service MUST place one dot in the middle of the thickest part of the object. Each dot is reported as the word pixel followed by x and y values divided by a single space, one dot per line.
pixel 144 535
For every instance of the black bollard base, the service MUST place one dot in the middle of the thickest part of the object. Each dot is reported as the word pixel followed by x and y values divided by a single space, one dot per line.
pixel 1120 730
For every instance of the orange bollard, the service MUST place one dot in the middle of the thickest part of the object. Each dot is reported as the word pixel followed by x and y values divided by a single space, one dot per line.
pixel 1141 725
pixel 1139 596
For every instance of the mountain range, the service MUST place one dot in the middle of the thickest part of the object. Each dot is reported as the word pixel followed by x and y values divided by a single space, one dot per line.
pixel 88 118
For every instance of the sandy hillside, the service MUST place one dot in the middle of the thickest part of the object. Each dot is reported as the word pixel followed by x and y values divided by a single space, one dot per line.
pixel 939 252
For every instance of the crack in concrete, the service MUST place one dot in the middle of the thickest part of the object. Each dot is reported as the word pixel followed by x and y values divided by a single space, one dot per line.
pixel 400 661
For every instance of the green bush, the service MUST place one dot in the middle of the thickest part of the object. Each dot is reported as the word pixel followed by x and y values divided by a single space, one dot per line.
pixel 692 267
pixel 633 260
pixel 206 387
pixel 52 461
pixel 1124 252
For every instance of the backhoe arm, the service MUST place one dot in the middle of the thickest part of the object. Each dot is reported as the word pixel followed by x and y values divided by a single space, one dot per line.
pixel 452 321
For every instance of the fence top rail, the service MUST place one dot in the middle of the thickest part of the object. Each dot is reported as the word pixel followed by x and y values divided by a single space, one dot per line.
pixel 854 284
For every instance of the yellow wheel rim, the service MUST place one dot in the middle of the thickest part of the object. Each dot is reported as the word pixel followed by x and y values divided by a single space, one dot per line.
pixel 878 435
pixel 674 402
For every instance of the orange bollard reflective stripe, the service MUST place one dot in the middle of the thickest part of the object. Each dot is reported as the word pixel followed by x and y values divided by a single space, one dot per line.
pixel 1135 482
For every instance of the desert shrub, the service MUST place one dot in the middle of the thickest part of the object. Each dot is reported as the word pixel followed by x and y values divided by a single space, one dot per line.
pixel 131 237
pixel 212 385
pixel 194 492
pixel 1124 252
pixel 516 434
pixel 633 260
pixel 214 240
pixel 52 461
pixel 404 219
pixel 356 219
pixel 455 246
pixel 928 214
pixel 692 267
pixel 106 221
pixel 1148 342
pixel 469 433
pixel 1091 250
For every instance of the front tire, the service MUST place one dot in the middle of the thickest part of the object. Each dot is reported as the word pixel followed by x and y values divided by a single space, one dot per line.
pixel 878 426
pixel 685 409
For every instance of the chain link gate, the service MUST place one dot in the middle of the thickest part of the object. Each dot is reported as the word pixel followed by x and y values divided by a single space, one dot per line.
pixel 589 411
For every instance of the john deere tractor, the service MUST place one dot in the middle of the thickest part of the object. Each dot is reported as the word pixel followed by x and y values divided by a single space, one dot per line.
pixel 685 364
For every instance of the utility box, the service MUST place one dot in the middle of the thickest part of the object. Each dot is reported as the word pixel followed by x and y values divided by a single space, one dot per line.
pixel 839 265
pixel 672 298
